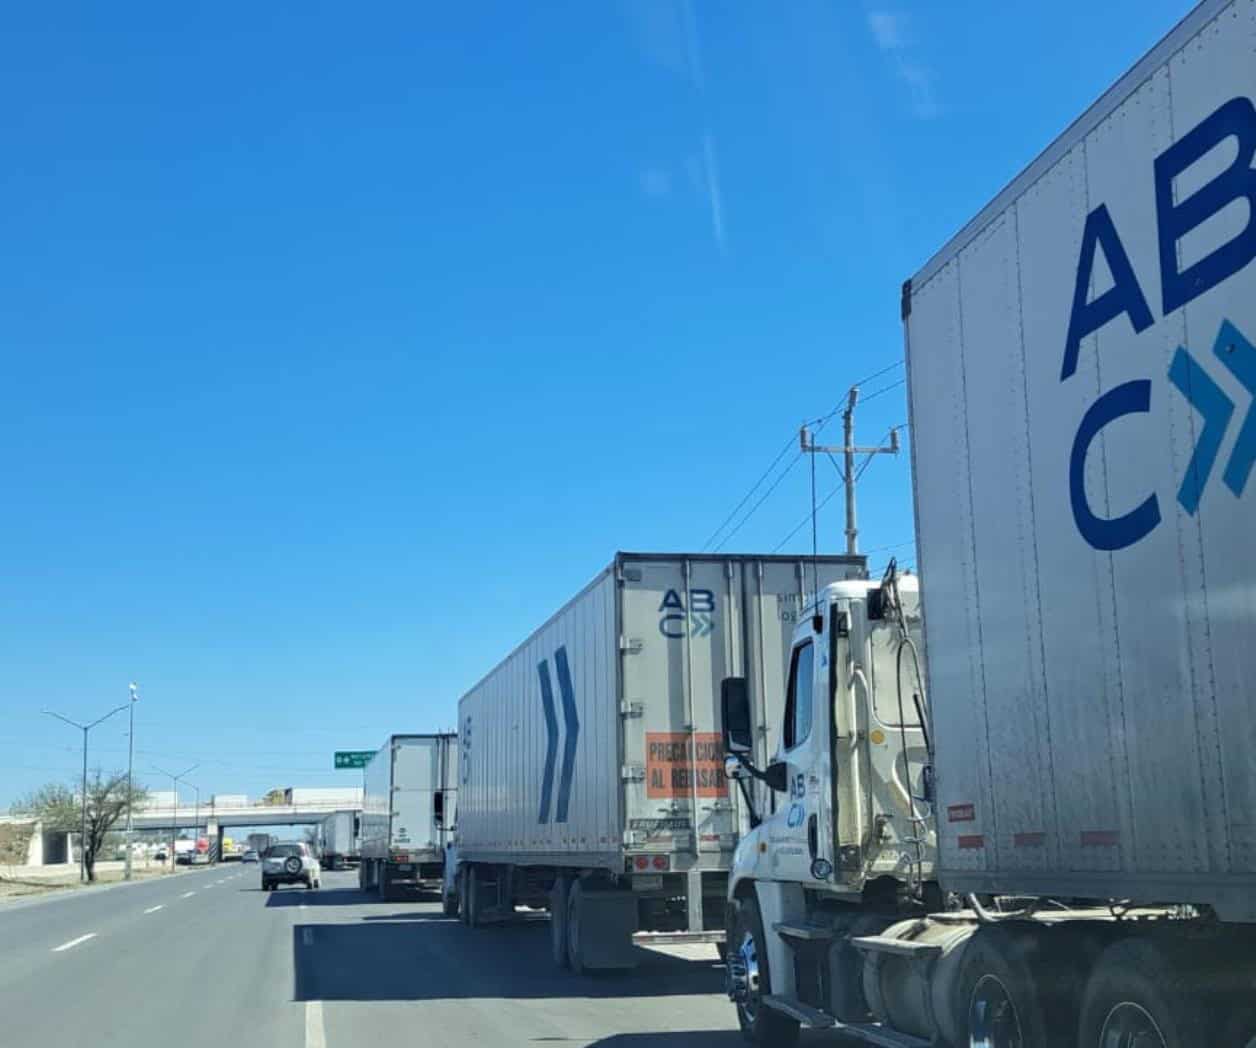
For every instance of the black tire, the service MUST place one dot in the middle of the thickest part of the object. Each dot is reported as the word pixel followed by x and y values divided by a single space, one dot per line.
pixel 759 1025
pixel 265 885
pixel 473 901
pixel 575 922
pixel 558 920
pixel 998 1003
pixel 292 864
pixel 382 884
pixel 1143 988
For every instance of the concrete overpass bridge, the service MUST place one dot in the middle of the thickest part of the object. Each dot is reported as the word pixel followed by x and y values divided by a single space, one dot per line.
pixel 186 816
pixel 210 820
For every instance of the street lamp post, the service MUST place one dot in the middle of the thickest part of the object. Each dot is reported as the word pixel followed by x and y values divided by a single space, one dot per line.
pixel 85 728
pixel 174 811
pixel 196 820
pixel 130 783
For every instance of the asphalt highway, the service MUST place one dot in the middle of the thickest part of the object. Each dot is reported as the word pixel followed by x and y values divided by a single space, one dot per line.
pixel 205 958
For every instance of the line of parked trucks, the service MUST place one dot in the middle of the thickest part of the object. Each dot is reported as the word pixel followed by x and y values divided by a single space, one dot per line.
pixel 1013 804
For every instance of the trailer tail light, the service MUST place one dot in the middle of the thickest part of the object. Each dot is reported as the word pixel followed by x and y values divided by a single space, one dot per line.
pixel 400 857
pixel 661 862
pixel 642 862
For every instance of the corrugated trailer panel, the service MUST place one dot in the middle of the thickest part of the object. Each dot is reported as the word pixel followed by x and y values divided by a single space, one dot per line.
pixel 540 748
pixel 1090 590
pixel 635 661
pixel 376 793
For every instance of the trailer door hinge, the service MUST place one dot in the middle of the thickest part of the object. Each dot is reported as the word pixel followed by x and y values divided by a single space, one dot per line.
pixel 630 645
pixel 631 709
pixel 632 773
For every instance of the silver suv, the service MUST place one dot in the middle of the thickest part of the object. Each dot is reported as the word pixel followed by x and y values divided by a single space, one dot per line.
pixel 290 862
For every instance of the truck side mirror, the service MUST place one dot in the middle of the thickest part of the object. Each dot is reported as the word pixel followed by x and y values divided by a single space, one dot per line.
pixel 776 776
pixel 735 708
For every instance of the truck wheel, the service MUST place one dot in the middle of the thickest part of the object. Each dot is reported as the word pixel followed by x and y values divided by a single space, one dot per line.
pixel 998 999
pixel 1139 993
pixel 474 899
pixel 558 920
pixel 750 982
pixel 575 918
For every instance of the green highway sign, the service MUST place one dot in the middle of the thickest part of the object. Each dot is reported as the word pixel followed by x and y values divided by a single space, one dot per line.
pixel 353 758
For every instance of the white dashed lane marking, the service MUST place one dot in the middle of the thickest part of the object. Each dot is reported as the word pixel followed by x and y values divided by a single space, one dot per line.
pixel 73 942
pixel 315 1035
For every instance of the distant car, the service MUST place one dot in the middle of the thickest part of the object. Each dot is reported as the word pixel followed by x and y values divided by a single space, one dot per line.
pixel 249 856
pixel 160 856
pixel 290 862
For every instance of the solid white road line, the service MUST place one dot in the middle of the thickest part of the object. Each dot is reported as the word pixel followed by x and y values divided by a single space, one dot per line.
pixel 154 909
pixel 315 1034
pixel 187 895
pixel 73 942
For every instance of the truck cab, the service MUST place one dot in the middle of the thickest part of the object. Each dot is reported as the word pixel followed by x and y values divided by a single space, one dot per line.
pixel 847 846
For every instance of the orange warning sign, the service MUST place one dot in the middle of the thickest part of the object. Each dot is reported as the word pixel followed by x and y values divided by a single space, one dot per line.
pixel 674 760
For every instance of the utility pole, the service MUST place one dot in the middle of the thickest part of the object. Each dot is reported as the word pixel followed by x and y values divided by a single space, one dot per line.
pixel 848 451
pixel 84 728
pixel 130 783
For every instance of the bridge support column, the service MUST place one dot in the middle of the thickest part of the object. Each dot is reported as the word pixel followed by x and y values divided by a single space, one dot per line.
pixel 214 835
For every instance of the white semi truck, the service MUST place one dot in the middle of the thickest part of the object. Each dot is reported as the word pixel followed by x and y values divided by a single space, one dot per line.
pixel 1055 842
pixel 409 794
pixel 340 839
pixel 592 773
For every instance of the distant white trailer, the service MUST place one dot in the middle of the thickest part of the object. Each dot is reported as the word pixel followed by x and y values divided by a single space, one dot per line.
pixel 409 790
pixel 348 796
pixel 340 839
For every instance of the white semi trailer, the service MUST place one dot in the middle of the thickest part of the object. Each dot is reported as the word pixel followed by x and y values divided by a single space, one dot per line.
pixel 1055 844
pixel 592 775
pixel 340 839
pixel 409 791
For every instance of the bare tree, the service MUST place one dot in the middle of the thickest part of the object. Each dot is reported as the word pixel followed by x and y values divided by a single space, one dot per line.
pixel 59 808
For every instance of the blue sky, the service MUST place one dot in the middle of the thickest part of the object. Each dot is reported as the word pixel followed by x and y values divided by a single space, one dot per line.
pixel 340 348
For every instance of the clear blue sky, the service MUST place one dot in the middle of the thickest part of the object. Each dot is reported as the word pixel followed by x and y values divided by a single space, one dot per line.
pixel 342 344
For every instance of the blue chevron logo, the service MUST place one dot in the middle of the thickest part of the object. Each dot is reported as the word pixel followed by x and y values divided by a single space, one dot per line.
pixel 1211 401
pixel 571 721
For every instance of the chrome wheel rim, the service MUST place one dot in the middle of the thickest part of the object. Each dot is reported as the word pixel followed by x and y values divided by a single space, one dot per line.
pixel 1130 1025
pixel 992 1018
pixel 743 974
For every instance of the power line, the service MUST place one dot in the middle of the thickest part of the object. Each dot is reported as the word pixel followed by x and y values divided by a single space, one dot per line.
pixel 763 498
pixel 884 389
pixel 819 424
pixel 877 374
pixel 753 487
